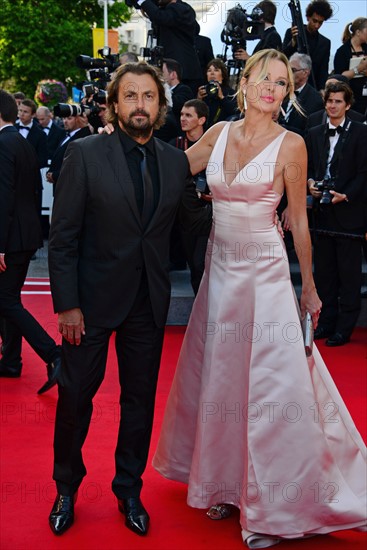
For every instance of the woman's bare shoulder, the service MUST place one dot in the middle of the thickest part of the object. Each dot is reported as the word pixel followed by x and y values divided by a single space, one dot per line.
pixel 294 142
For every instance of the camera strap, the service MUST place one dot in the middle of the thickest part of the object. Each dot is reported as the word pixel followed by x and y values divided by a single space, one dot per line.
pixel 337 156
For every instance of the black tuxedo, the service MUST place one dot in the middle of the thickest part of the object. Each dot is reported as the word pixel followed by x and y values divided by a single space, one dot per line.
pixel 55 136
pixel 58 156
pixel 338 260
pixel 104 262
pixel 176 27
pixel 38 139
pixel 310 100
pixel 320 117
pixel 20 236
pixel 319 48
pixel 270 39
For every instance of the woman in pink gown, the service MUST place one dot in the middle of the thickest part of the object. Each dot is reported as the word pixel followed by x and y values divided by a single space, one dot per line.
pixel 250 421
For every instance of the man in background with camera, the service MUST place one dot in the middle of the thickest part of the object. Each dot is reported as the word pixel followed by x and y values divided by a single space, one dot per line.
pixel 337 175
pixel 317 46
pixel 271 38
pixel 76 126
pixel 175 27
pixel 54 133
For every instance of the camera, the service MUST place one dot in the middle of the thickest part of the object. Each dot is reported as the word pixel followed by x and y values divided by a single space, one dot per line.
pixel 64 110
pixel 154 56
pixel 211 88
pixel 201 184
pixel 107 61
pixel 325 186
pixel 240 26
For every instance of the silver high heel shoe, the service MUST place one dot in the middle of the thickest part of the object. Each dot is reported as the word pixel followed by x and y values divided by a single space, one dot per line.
pixel 219 511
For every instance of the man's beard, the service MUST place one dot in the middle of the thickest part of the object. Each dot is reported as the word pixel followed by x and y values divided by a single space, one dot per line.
pixel 138 129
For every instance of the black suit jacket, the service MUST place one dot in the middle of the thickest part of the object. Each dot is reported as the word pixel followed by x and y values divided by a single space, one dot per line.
pixel 310 101
pixel 54 137
pixel 20 228
pixel 204 49
pixel 58 156
pixel 348 166
pixel 320 55
pixel 180 94
pixel 38 139
pixel 176 27
pixel 320 117
pixel 98 247
pixel 271 39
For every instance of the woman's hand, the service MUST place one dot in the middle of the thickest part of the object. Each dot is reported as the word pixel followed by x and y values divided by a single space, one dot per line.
pixel 311 302
pixel 202 92
pixel 362 67
pixel 108 129
pixel 285 220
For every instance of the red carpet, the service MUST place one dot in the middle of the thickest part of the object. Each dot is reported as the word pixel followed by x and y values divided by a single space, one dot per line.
pixel 27 489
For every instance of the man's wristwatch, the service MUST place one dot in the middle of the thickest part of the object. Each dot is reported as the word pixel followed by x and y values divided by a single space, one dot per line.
pixel 356 71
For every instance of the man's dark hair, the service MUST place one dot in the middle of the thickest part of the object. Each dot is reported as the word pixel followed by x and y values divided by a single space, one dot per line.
pixel 140 68
pixel 339 87
pixel 321 7
pixel 8 107
pixel 201 108
pixel 269 10
pixel 173 65
pixel 18 95
pixel 30 103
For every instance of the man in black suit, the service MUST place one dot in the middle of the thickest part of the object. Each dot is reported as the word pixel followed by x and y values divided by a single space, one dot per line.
pixel 108 257
pixel 76 128
pixel 271 38
pixel 55 135
pixel 204 49
pixel 175 25
pixel 319 46
pixel 20 236
pixel 307 97
pixel 320 117
pixel 336 153
pixel 30 130
pixel 180 93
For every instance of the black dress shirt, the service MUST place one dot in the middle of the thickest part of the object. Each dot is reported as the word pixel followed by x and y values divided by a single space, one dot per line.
pixel 133 159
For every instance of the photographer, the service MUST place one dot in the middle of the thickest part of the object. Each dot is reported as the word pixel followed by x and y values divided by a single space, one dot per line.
pixel 337 173
pixel 271 38
pixel 217 93
pixel 76 126
pixel 175 24
pixel 318 45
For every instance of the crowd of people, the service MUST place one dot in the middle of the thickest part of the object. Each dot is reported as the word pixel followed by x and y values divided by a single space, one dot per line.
pixel 189 167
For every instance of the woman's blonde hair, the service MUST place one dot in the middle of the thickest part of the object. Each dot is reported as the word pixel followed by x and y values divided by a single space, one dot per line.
pixel 263 58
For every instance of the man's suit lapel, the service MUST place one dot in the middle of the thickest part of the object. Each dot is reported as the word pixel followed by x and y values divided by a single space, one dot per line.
pixel 116 157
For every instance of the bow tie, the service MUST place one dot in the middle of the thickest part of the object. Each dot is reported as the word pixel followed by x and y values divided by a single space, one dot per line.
pixel 333 131
pixel 24 128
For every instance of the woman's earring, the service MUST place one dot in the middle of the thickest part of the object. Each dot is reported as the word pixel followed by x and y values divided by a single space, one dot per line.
pixel 282 111
pixel 244 100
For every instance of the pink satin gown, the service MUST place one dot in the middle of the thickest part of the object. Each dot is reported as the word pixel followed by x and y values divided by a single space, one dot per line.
pixel 250 421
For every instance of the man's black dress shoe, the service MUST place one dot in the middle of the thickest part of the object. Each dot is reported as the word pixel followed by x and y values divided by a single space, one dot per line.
pixel 53 370
pixel 337 339
pixel 10 372
pixel 62 514
pixel 322 332
pixel 136 516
